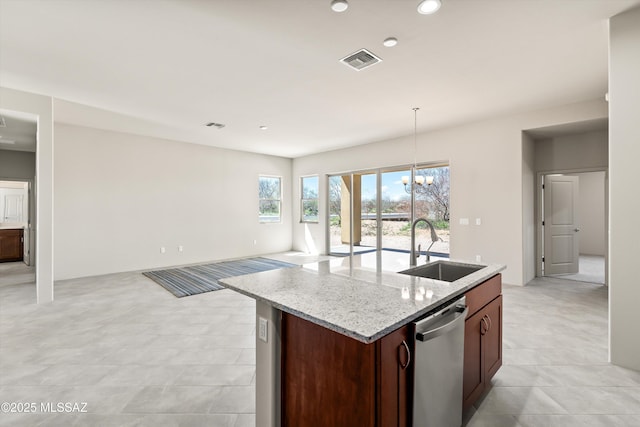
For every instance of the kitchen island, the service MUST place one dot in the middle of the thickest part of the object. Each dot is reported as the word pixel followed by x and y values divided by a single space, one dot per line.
pixel 334 340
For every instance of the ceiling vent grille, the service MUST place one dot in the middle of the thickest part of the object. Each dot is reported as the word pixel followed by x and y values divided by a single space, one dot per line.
pixel 361 59
pixel 215 125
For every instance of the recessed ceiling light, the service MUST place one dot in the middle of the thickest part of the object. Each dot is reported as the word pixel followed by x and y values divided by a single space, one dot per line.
pixel 390 41
pixel 263 127
pixel 339 5
pixel 427 7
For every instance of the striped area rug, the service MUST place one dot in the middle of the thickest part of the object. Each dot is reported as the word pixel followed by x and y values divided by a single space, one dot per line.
pixel 197 279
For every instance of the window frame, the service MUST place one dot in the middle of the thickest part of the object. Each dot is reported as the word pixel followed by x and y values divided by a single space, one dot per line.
pixel 278 201
pixel 303 200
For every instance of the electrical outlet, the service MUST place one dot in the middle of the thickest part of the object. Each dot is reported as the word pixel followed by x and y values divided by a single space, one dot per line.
pixel 255 242
pixel 263 325
pixel 478 258
pixel 478 221
pixel 180 248
pixel 464 221
pixel 162 249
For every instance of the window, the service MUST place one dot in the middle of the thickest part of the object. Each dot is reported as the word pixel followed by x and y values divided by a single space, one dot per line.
pixel 374 209
pixel 269 198
pixel 309 199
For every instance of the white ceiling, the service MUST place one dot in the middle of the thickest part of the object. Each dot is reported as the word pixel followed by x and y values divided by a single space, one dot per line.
pixel 166 67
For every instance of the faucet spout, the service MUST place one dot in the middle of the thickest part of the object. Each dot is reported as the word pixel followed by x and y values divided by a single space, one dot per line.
pixel 413 261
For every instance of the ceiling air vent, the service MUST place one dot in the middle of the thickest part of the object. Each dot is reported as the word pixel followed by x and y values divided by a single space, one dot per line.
pixel 215 125
pixel 361 59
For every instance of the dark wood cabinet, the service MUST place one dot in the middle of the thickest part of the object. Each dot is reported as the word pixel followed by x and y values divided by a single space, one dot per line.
pixel 483 338
pixel 11 246
pixel 329 379
pixel 395 384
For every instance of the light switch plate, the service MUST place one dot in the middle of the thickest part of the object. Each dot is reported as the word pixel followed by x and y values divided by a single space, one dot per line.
pixel 478 221
pixel 263 325
pixel 464 221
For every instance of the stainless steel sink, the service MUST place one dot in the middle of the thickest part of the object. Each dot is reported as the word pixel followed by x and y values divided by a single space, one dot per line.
pixel 446 271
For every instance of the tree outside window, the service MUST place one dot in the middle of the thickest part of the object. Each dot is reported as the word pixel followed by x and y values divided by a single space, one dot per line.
pixel 309 199
pixel 269 198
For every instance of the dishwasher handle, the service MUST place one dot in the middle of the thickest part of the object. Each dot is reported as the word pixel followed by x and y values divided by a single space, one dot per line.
pixel 457 314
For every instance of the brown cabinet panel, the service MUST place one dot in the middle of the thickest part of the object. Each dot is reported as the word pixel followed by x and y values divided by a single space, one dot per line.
pixel 11 246
pixel 483 294
pixel 329 379
pixel 493 338
pixel 395 378
pixel 473 377
pixel 483 339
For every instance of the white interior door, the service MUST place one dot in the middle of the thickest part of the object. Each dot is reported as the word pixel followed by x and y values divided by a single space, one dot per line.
pixel 13 204
pixel 561 231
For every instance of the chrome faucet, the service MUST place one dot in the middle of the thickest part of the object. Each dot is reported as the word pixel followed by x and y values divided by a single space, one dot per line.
pixel 434 238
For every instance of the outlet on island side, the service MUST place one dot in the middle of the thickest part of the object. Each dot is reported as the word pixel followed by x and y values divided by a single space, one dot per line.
pixel 478 258
pixel 162 249
pixel 263 328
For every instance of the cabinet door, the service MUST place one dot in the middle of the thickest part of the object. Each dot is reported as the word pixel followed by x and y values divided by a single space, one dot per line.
pixel 473 377
pixel 492 345
pixel 10 245
pixel 395 378
pixel 482 350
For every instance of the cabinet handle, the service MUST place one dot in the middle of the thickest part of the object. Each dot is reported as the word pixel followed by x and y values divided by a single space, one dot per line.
pixel 486 326
pixel 406 347
pixel 489 320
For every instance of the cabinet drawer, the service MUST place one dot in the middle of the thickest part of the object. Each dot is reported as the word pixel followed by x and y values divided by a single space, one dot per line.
pixel 483 294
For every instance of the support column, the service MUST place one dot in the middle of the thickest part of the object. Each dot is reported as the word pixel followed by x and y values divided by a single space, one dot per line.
pixel 349 194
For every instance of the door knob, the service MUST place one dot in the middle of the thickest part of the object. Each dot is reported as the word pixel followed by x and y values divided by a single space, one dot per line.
pixel 576 229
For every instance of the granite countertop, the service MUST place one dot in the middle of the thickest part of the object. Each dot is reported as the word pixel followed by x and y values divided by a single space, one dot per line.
pixel 357 301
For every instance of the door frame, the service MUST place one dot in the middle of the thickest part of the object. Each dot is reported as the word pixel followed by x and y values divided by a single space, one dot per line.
pixel 40 106
pixel 538 214
pixel 29 232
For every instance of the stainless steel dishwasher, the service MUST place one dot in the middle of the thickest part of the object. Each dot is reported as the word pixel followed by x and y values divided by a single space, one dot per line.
pixel 439 358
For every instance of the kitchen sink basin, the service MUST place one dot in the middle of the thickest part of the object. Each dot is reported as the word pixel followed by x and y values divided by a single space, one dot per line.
pixel 446 271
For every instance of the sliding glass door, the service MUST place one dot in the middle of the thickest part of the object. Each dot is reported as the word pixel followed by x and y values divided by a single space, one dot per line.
pixel 373 210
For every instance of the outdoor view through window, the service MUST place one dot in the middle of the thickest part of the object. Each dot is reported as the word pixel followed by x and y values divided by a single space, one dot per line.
pixel 431 201
pixel 269 198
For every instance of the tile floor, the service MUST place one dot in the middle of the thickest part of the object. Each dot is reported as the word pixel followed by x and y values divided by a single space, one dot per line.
pixel 591 268
pixel 138 356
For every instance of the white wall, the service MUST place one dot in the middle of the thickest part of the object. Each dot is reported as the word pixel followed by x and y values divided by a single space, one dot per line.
pixel 17 164
pixel 120 197
pixel 591 213
pixel 529 176
pixel 486 180
pixel 624 205
pixel 40 106
pixel 587 150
